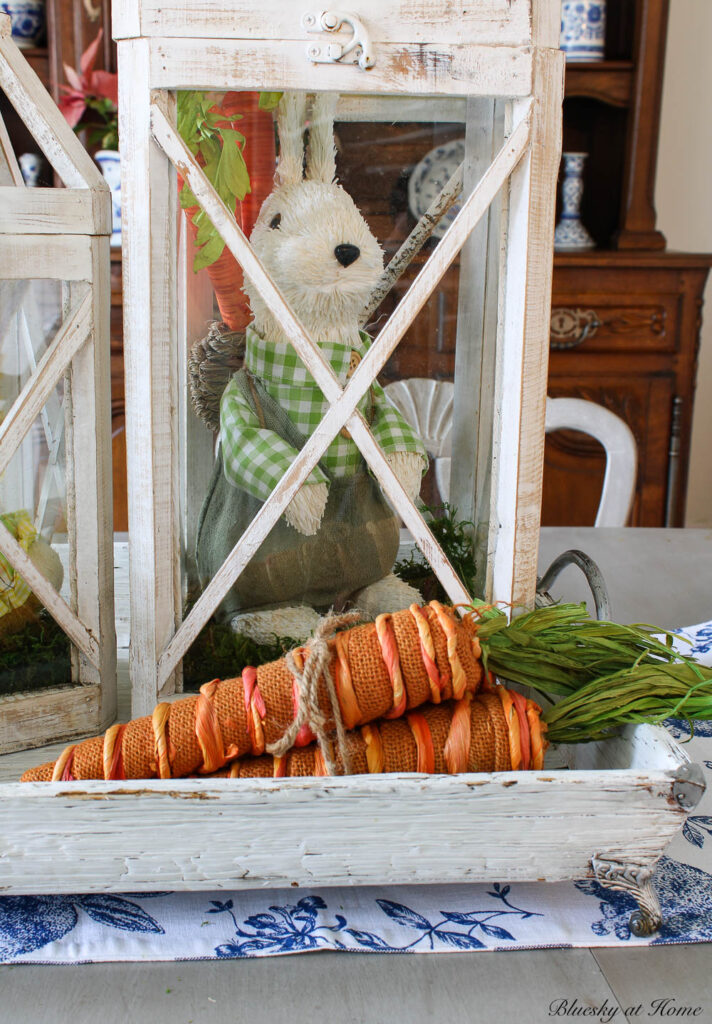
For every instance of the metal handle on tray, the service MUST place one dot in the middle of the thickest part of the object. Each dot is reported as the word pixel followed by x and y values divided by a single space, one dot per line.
pixel 590 570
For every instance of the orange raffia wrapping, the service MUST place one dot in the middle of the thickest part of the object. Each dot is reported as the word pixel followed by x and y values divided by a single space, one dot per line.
pixel 379 673
pixel 423 741
pixel 113 760
pixel 457 747
pixel 350 711
pixel 374 748
pixel 389 649
pixel 512 720
pixel 459 677
pixel 416 743
pixel 427 652
pixel 536 730
pixel 520 706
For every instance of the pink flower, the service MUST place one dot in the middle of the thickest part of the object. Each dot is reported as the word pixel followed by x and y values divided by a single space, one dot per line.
pixel 87 85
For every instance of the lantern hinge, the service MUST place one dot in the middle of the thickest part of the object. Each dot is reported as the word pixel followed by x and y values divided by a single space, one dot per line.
pixel 356 50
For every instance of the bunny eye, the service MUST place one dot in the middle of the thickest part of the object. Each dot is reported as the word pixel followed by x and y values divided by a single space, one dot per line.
pixel 276 220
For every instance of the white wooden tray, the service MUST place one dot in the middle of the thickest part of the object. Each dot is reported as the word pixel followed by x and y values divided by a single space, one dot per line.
pixel 610 815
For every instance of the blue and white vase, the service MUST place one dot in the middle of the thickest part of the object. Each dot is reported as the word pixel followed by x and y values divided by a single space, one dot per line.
pixel 108 160
pixel 583 29
pixel 31 167
pixel 28 21
pixel 570 232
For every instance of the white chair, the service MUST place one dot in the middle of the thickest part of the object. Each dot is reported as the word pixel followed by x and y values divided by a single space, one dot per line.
pixel 619 444
pixel 428 404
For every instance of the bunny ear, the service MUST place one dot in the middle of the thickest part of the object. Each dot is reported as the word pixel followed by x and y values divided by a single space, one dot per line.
pixel 321 152
pixel 291 115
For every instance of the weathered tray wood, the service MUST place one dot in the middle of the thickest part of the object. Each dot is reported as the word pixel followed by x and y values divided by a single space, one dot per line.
pixel 139 835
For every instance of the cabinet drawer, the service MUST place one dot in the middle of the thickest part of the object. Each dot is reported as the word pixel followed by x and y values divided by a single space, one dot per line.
pixel 610 323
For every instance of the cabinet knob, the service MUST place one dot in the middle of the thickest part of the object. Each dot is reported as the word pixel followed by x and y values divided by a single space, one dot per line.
pixel 571 327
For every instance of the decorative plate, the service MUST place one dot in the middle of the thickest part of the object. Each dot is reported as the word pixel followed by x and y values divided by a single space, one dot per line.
pixel 430 176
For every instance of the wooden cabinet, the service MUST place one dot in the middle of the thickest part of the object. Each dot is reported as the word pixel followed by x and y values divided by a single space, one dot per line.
pixel 626 316
pixel 624 334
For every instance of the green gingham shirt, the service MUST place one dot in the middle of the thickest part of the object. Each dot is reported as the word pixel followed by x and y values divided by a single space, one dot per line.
pixel 255 459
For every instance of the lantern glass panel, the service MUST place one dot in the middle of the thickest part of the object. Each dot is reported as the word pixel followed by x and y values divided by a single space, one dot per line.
pixel 34 651
pixel 250 403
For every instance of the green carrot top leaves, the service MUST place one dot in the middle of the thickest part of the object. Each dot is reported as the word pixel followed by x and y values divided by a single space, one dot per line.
pixel 608 674
pixel 644 693
pixel 559 648
pixel 211 135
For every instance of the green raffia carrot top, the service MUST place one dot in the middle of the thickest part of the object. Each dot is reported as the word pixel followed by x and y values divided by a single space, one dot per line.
pixel 607 675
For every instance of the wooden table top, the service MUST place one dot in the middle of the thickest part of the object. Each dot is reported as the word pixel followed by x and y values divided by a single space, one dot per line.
pixel 661 576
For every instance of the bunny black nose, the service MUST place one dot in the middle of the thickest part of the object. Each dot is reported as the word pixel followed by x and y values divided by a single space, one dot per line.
pixel 346 254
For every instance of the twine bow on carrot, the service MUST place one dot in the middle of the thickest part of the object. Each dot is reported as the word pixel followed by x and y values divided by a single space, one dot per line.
pixel 309 713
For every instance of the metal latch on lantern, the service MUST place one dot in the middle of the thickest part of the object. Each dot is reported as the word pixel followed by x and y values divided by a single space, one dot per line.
pixel 356 50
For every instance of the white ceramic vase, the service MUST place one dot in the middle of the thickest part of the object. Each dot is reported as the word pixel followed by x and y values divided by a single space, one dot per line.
pixel 570 232
pixel 583 29
pixel 108 160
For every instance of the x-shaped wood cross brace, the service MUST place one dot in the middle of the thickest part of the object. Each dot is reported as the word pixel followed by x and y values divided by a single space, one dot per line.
pixel 343 401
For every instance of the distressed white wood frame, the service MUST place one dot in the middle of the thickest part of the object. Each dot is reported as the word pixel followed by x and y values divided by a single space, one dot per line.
pixel 619 801
pixel 63 235
pixel 189 52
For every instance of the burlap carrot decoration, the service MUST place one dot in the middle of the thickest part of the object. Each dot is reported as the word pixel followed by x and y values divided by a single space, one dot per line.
pixel 485 733
pixel 480 734
pixel 383 669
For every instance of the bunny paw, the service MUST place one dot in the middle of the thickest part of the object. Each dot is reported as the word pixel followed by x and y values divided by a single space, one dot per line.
pixel 408 467
pixel 297 623
pixel 306 508
pixel 390 594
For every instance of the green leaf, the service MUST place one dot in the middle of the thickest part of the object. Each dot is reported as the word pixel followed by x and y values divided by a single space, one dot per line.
pixel 269 100
pixel 211 251
pixel 188 110
pixel 205 229
pixel 232 178
pixel 210 151
pixel 187 199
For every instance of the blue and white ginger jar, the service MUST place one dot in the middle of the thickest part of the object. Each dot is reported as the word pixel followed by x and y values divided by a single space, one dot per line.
pixel 109 162
pixel 28 21
pixel 583 29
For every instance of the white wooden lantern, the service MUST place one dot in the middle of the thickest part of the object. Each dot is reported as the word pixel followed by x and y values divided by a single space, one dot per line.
pixel 462 57
pixel 496 64
pixel 59 236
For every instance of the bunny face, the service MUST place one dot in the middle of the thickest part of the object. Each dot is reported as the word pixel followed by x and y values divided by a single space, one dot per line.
pixel 318 248
pixel 310 235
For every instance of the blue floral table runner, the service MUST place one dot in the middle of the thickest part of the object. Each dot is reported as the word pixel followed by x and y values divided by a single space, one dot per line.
pixel 394 919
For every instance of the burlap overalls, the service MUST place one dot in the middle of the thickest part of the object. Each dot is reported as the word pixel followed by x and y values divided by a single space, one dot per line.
pixel 355 545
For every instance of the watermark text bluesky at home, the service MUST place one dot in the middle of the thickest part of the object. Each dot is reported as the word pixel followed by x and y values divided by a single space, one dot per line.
pixel 663 1008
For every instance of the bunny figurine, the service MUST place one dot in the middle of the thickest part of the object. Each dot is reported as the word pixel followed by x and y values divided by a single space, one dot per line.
pixel 338 539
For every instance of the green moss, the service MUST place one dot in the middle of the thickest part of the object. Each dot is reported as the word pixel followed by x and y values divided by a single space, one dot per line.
pixel 219 653
pixel 36 657
pixel 455 538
